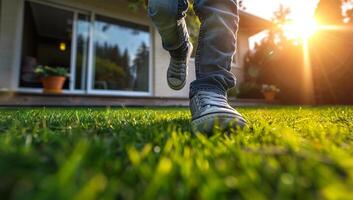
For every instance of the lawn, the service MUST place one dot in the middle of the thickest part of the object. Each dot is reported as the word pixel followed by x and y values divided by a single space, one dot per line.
pixel 135 153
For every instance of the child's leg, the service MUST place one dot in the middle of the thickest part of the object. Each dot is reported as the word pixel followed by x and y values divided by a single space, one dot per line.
pixel 168 17
pixel 217 45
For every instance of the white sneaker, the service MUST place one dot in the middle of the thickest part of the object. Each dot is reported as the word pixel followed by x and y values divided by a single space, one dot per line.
pixel 211 110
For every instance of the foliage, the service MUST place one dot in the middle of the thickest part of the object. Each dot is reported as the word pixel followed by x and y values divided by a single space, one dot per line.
pixel 110 73
pixel 348 12
pixel 258 61
pixel 286 153
pixel 272 43
pixel 280 18
pixel 46 71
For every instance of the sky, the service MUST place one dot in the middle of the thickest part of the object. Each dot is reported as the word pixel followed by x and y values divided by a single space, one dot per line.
pixel 265 8
pixel 301 11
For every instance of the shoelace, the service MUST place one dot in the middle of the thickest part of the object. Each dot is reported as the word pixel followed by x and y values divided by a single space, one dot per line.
pixel 208 99
pixel 175 71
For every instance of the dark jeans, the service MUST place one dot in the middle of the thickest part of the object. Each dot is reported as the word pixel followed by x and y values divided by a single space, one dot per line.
pixel 217 38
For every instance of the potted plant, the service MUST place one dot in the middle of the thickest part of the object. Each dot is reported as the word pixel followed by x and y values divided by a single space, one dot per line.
pixel 269 92
pixel 53 79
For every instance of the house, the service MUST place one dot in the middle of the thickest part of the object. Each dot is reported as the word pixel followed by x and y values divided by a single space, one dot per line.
pixel 114 55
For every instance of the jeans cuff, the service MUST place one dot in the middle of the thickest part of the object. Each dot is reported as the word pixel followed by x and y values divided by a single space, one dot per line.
pixel 193 91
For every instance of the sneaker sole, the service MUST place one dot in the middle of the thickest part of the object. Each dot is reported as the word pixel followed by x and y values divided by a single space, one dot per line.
pixel 217 122
pixel 177 87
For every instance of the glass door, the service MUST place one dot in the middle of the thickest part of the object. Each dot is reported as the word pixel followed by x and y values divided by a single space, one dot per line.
pixel 56 37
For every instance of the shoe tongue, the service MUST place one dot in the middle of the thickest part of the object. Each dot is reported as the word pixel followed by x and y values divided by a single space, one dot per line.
pixel 177 62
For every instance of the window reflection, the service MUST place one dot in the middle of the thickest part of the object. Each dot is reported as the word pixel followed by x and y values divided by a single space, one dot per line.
pixel 121 55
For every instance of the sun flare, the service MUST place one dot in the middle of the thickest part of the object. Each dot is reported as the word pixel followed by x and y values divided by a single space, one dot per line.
pixel 300 29
pixel 302 24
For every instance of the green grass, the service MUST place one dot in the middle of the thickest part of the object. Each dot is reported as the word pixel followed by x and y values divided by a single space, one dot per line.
pixel 286 153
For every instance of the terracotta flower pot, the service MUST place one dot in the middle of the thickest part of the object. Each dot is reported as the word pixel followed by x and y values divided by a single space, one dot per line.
pixel 270 96
pixel 53 84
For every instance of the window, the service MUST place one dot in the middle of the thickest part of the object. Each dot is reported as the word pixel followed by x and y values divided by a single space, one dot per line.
pixel 121 58
pixel 45 42
pixel 118 59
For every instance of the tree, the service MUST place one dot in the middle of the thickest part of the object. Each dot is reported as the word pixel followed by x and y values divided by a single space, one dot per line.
pixel 348 11
pixel 125 63
pixel 140 64
pixel 273 43
pixel 261 62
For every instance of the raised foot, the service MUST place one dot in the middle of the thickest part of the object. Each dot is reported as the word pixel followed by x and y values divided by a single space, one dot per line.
pixel 178 70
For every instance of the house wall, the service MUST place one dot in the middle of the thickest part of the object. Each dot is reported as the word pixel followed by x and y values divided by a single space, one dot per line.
pixel 243 47
pixel 162 58
pixel 11 38
pixel 0 14
pixel 9 42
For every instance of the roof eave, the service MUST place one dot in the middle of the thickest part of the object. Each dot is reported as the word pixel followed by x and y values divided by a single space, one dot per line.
pixel 252 24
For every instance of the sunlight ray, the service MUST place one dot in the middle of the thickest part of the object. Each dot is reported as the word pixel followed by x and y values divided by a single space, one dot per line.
pixel 308 83
pixel 335 28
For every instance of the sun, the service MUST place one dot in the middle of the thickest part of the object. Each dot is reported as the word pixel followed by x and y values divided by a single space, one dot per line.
pixel 300 28
pixel 302 24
